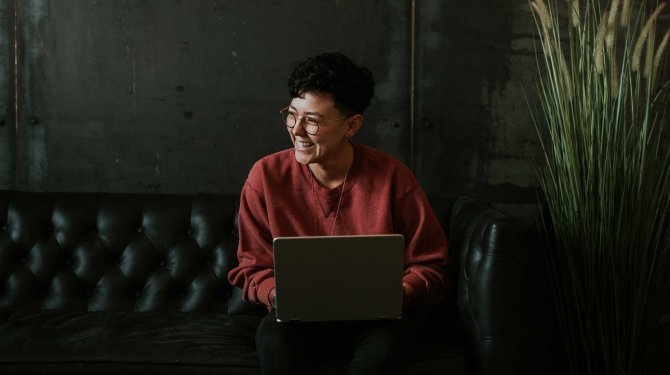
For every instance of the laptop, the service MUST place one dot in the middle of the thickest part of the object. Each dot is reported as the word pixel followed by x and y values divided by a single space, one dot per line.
pixel 339 278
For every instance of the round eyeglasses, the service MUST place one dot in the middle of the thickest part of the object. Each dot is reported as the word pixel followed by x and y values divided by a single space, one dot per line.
pixel 310 124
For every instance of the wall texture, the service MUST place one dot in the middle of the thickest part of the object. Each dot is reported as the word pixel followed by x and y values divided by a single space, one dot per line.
pixel 474 130
pixel 7 136
pixel 167 95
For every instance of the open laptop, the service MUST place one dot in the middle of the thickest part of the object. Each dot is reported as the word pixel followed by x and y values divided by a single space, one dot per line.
pixel 339 278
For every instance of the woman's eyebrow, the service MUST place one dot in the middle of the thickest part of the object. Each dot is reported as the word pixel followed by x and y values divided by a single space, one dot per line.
pixel 306 113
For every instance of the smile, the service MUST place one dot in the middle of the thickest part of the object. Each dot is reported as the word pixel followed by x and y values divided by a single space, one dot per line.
pixel 302 145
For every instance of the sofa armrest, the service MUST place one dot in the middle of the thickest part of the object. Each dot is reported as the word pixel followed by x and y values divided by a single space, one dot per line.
pixel 491 253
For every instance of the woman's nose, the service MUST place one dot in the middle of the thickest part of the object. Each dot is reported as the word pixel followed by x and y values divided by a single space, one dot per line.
pixel 298 129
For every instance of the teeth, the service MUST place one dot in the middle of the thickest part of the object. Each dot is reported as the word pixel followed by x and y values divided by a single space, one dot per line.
pixel 303 145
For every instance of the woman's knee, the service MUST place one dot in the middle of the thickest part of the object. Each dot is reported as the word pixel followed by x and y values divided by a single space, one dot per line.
pixel 281 348
pixel 272 335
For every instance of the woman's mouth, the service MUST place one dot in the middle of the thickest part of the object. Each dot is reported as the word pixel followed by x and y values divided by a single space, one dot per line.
pixel 303 145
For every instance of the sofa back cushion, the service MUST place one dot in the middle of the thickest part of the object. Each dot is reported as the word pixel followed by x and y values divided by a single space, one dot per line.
pixel 117 252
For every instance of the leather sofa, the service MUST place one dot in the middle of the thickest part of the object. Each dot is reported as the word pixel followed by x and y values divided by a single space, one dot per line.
pixel 135 283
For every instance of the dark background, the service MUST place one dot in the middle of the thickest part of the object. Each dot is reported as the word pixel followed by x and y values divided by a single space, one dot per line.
pixel 183 96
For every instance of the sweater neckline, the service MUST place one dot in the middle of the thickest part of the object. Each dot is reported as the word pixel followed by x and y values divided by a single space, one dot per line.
pixel 330 195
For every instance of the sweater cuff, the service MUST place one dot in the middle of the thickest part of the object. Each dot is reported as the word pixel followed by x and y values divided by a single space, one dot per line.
pixel 419 286
pixel 264 290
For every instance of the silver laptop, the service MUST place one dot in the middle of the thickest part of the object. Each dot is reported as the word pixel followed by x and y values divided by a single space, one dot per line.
pixel 339 278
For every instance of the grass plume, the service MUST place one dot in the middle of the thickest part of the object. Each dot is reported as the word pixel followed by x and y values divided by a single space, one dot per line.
pixel 625 13
pixel 574 13
pixel 644 37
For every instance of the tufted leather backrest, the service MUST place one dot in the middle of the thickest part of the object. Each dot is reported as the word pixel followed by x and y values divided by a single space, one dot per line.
pixel 118 252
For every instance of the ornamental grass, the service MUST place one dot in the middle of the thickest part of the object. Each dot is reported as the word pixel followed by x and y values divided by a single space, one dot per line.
pixel 605 175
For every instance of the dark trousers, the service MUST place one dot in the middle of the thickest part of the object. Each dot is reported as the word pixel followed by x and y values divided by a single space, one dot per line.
pixel 372 347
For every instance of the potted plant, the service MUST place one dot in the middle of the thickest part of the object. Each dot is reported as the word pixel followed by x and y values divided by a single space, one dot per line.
pixel 605 175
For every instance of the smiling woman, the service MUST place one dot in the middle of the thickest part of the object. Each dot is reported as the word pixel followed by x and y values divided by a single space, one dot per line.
pixel 329 185
pixel 327 151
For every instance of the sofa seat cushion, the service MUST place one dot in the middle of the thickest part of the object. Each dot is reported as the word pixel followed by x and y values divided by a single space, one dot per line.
pixel 127 338
pixel 58 342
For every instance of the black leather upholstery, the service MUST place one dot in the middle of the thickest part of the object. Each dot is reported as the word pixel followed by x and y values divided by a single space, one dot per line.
pixel 102 252
pixel 492 262
pixel 132 283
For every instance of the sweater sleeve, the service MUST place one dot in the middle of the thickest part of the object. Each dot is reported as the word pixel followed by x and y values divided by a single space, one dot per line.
pixel 255 272
pixel 426 253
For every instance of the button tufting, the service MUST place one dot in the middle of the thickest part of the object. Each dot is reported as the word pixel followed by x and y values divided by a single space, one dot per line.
pixel 140 230
pixel 4 227
pixel 190 231
pixel 162 263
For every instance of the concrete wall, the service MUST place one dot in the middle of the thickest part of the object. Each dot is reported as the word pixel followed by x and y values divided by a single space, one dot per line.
pixel 474 128
pixel 167 95
pixel 7 136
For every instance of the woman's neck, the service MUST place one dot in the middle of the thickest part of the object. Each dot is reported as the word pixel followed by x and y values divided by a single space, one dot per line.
pixel 333 174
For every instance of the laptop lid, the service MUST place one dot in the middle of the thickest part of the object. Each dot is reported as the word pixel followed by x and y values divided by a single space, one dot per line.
pixel 339 277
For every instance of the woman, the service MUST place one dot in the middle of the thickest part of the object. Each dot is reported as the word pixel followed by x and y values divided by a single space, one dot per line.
pixel 328 185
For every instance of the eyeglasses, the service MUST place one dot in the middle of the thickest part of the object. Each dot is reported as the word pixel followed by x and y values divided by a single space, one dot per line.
pixel 310 124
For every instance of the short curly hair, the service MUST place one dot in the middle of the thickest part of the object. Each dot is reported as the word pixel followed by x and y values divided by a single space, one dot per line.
pixel 351 86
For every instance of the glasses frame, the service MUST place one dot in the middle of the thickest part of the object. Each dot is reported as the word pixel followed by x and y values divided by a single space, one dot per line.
pixel 300 118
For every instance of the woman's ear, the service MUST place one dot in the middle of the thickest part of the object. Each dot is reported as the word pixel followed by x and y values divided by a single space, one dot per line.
pixel 354 124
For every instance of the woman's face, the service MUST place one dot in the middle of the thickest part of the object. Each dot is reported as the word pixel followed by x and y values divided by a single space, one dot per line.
pixel 323 147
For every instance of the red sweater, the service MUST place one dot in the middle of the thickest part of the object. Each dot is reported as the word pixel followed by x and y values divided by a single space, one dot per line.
pixel 381 196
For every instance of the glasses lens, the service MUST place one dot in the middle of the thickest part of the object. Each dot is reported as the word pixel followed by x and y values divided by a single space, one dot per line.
pixel 287 118
pixel 311 126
